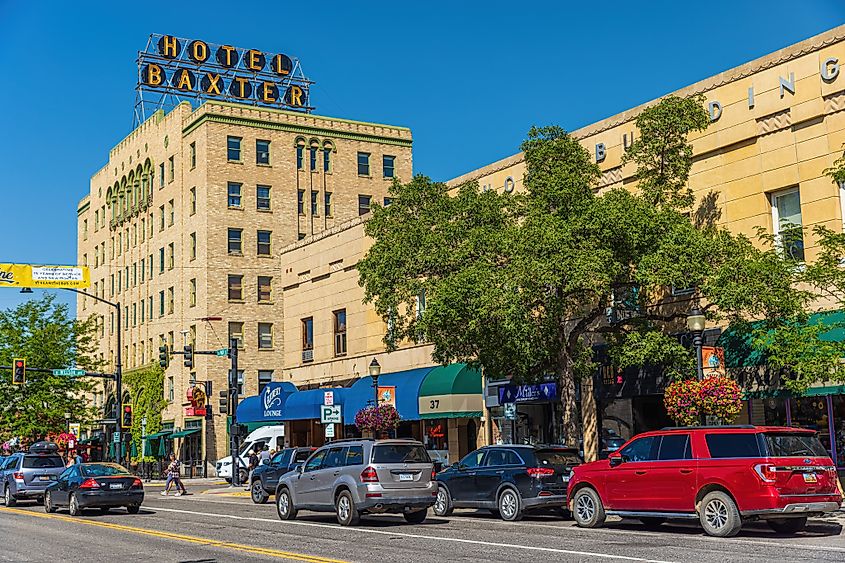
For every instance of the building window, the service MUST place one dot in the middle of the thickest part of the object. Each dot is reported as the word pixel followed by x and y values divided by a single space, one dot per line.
pixel 236 292
pixel 170 300
pixel 235 241
pixel 315 197
pixel 192 292
pixel 192 246
pixel 85 229
pixel 265 377
pixel 142 268
pixel 143 310
pixel 327 159
pixel 171 213
pixel 340 332
pixel 134 315
pixel 161 218
pixel 171 168
pixel 308 339
pixel 262 198
pixel 234 190
pixel 262 152
pixel 171 258
pixel 264 243
pixel 161 260
pixel 134 272
pixel 312 158
pixel 300 202
pixel 150 265
pixel 265 336
pixel 236 332
pixel 364 204
pixel 327 200
pixel 171 389
pixel 193 203
pixel 786 220
pixel 161 175
pixel 300 236
pixel 299 150
pixel 150 306
pixel 387 163
pixel 265 289
pixel 388 201
pixel 161 303
pixel 193 154
pixel 233 149
pixel 143 229
pixel 363 164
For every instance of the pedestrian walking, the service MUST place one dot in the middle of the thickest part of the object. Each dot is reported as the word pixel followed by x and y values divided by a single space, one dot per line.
pixel 253 463
pixel 173 476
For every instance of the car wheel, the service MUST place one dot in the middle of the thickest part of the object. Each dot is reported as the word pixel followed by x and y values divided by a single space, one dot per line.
pixel 73 506
pixel 788 525
pixel 243 477
pixel 443 504
pixel 510 505
pixel 257 493
pixel 48 503
pixel 344 505
pixel 133 508
pixel 416 517
pixel 228 480
pixel 284 505
pixel 588 510
pixel 9 498
pixel 719 515
pixel 652 522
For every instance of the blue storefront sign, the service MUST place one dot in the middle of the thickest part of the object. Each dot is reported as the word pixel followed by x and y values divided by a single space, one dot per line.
pixel 268 406
pixel 527 393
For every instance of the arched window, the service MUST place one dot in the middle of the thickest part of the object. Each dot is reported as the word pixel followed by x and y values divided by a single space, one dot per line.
pixel 328 149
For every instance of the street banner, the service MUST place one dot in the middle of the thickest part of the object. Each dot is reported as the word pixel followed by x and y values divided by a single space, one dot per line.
pixel 29 275
pixel 713 361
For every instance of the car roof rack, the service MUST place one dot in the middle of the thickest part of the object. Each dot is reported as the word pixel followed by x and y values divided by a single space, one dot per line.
pixel 715 427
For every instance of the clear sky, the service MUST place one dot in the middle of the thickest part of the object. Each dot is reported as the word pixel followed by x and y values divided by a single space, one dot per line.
pixel 469 78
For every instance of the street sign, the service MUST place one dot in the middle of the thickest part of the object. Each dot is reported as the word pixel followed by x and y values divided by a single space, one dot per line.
pixel 222 352
pixel 116 437
pixel 329 430
pixel 328 398
pixel 69 372
pixel 331 414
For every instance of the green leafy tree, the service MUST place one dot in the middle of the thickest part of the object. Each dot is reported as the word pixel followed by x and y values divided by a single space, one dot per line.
pixel 43 332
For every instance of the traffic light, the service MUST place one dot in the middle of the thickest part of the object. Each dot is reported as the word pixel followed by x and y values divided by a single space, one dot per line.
pixel 163 356
pixel 19 373
pixel 209 415
pixel 127 416
pixel 189 356
pixel 224 401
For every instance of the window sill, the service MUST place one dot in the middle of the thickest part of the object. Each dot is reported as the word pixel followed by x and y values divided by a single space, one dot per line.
pixel 240 301
pixel 264 210
pixel 388 177
pixel 264 164
pixel 235 161
pixel 235 254
pixel 236 208
pixel 266 302
pixel 264 256
pixel 365 176
pixel 266 349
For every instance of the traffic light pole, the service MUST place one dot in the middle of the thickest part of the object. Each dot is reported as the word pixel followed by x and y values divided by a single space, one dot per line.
pixel 233 405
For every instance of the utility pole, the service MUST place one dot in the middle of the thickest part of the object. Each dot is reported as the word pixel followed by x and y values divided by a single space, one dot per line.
pixel 233 405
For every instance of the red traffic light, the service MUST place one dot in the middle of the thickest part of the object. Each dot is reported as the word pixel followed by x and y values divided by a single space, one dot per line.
pixel 18 363
pixel 127 408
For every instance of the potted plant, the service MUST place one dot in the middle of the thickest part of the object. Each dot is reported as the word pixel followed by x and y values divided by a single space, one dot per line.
pixel 688 400
pixel 377 419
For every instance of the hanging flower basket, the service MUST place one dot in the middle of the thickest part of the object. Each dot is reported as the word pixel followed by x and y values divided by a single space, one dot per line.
pixel 64 438
pixel 377 419
pixel 686 400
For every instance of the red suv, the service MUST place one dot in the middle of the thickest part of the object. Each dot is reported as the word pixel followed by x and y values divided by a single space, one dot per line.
pixel 721 475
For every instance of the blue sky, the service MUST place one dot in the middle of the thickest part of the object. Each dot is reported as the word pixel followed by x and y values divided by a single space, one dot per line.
pixel 469 78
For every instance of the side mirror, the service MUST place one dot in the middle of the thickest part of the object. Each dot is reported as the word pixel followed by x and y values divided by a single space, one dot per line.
pixel 615 459
pixel 456 466
pixel 299 468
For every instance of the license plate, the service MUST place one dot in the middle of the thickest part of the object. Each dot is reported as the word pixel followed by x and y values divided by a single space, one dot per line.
pixel 810 478
pixel 406 477
pixel 116 486
pixel 565 478
pixel 43 477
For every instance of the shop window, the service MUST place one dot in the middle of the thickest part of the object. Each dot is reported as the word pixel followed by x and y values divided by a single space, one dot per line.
pixel 339 332
pixel 388 163
pixel 262 152
pixel 235 285
pixel 786 221
pixel 233 149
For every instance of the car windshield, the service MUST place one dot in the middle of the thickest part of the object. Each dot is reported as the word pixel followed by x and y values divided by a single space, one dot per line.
pixel 42 462
pixel 557 457
pixel 103 470
pixel 794 445
pixel 400 453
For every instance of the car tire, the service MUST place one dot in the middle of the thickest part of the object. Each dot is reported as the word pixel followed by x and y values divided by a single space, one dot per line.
pixel 587 508
pixel 719 515
pixel 133 508
pixel 344 507
pixel 788 525
pixel 510 505
pixel 243 476
pixel 73 506
pixel 9 498
pixel 652 522
pixel 416 517
pixel 284 505
pixel 48 503
pixel 443 502
pixel 256 492
pixel 228 480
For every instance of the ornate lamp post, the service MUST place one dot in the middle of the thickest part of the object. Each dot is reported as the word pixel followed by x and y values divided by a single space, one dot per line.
pixel 375 371
pixel 695 324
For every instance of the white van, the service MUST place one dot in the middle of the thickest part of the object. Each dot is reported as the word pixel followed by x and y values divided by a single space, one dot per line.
pixel 271 436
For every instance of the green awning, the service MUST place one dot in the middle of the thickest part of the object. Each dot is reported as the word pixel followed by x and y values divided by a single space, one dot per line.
pixel 133 452
pixel 184 433
pixel 161 449
pixel 157 435
pixel 148 448
pixel 453 391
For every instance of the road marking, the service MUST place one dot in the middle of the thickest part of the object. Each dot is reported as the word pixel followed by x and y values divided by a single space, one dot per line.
pixel 357 530
pixel 179 537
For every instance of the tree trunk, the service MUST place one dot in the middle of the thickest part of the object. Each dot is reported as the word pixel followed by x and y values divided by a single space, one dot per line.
pixel 566 380
pixel 589 420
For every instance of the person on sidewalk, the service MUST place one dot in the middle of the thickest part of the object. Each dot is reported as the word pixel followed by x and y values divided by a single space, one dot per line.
pixel 173 471
pixel 264 455
pixel 253 463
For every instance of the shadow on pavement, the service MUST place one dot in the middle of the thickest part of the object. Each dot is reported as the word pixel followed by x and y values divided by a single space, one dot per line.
pixel 755 530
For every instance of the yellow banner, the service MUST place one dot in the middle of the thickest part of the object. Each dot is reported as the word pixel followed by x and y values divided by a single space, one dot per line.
pixel 29 275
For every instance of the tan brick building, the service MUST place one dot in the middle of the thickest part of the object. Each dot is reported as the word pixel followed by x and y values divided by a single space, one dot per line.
pixel 183 228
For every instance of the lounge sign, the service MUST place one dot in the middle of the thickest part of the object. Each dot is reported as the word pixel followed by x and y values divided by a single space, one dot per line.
pixel 28 275
pixel 201 70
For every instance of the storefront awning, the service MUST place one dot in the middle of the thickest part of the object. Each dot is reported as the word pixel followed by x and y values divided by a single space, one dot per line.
pixel 161 434
pixel 453 391
pixel 268 406
pixel 407 388
pixel 184 433
pixel 305 405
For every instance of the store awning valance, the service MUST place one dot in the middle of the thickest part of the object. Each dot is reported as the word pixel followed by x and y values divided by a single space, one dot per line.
pixel 407 391
pixel 305 405
pixel 184 433
pixel 162 434
pixel 268 406
pixel 453 391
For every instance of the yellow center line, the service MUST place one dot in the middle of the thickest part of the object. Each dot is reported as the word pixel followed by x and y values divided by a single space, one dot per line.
pixel 180 537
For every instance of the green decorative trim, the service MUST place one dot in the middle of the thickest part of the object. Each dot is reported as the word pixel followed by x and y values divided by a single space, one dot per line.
pixel 322 131
pixel 300 114
pixel 83 208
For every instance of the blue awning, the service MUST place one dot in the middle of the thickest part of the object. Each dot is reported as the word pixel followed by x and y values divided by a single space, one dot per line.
pixel 267 407
pixel 305 405
pixel 407 384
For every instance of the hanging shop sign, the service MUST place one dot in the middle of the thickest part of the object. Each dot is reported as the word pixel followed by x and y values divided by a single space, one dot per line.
pixel 713 361
pixel 196 396
pixel 527 393
pixel 387 395
pixel 29 275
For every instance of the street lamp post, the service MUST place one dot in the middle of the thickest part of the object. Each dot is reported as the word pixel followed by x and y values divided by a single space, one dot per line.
pixel 67 422
pixel 375 371
pixel 695 324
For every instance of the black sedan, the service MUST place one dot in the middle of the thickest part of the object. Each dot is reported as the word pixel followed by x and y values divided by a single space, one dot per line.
pixel 266 476
pixel 94 485
pixel 508 480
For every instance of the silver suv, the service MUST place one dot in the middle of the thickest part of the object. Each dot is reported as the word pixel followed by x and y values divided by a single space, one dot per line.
pixel 25 476
pixel 354 477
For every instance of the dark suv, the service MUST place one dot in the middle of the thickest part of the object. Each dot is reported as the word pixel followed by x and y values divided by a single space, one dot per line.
pixel 26 475
pixel 507 480
pixel 265 478
pixel 719 475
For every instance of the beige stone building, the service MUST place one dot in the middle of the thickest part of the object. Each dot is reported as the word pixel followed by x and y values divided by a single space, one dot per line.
pixel 183 226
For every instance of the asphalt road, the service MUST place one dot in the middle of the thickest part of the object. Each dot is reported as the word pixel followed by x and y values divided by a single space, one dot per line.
pixel 213 527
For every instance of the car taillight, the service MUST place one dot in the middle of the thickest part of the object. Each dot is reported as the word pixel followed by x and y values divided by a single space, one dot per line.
pixel 18 475
pixel 89 484
pixel 369 475
pixel 538 472
pixel 766 471
pixel 137 483
pixel 433 474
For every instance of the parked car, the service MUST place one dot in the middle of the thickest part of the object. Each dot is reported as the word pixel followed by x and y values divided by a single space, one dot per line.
pixel 355 477
pixel 507 480
pixel 720 475
pixel 95 485
pixel 270 436
pixel 26 475
pixel 265 478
